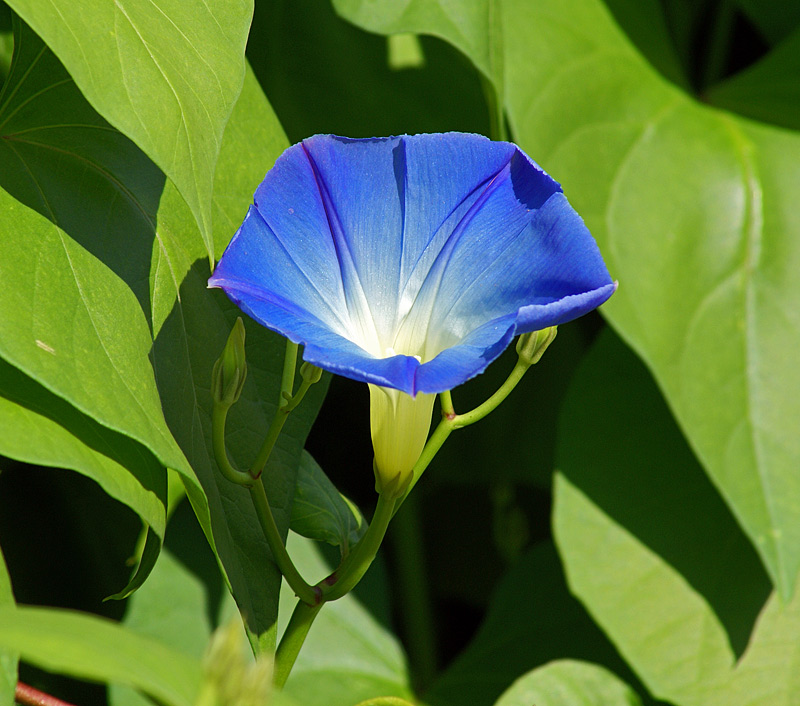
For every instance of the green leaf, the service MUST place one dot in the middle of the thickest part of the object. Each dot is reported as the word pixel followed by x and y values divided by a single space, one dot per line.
pixel 768 90
pixel 769 672
pixel 645 23
pixel 569 682
pixel 647 545
pixel 693 210
pixel 89 647
pixel 165 73
pixel 472 27
pixel 532 620
pixel 144 301
pixel 8 657
pixel 321 512
pixel 70 185
pixel 348 655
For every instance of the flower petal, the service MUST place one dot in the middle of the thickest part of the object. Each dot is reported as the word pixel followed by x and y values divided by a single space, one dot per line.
pixel 440 246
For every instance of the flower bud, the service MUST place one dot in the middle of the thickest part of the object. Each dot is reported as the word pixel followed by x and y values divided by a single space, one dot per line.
pixel 310 373
pixel 230 371
pixel 399 425
pixel 531 346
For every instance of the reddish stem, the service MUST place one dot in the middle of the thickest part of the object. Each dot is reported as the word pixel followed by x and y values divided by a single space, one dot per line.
pixel 28 696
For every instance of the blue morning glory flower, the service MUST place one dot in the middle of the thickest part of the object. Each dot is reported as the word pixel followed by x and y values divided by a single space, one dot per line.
pixel 410 262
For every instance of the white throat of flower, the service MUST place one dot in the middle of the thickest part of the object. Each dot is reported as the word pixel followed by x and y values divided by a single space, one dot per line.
pixel 399 423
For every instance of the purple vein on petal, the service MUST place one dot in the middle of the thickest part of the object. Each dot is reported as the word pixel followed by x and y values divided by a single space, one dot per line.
pixel 426 296
pixel 322 298
pixel 354 290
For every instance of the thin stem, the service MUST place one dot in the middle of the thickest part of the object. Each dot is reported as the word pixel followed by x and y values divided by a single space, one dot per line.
pixel 303 590
pixel 274 431
pixel 293 638
pixel 28 696
pixel 385 701
pixel 475 415
pixel 356 563
pixel 414 594
pixel 451 421
pixel 286 404
pixel 289 366
pixel 219 414
pixel 446 401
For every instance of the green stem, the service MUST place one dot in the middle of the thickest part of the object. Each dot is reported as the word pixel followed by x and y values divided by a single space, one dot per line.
pixel 293 638
pixel 416 608
pixel 303 590
pixel 356 563
pixel 289 366
pixel 475 415
pixel 385 701
pixel 219 414
pixel 451 421
pixel 286 404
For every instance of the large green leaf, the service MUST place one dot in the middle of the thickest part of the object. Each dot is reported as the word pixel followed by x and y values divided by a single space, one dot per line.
pixel 693 211
pixel 165 73
pixel 45 430
pixel 569 682
pixel 144 299
pixel 89 647
pixel 71 185
pixel 348 656
pixel 649 547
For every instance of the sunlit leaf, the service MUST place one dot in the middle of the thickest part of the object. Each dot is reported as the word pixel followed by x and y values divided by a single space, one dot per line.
pixel 88 647
pixel 167 74
pixel 569 682
pixel 693 210
pixel 647 545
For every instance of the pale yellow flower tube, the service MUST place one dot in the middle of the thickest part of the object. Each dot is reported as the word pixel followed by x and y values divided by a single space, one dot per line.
pixel 399 424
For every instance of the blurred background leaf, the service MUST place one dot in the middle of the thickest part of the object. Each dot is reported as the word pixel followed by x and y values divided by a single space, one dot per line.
pixel 94 648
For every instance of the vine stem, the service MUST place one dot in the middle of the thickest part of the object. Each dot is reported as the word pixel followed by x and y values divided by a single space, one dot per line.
pixel 304 591
pixel 355 565
pixel 28 696
pixel 293 638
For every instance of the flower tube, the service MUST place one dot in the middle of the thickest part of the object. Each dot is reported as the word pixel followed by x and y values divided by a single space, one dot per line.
pixel 409 263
